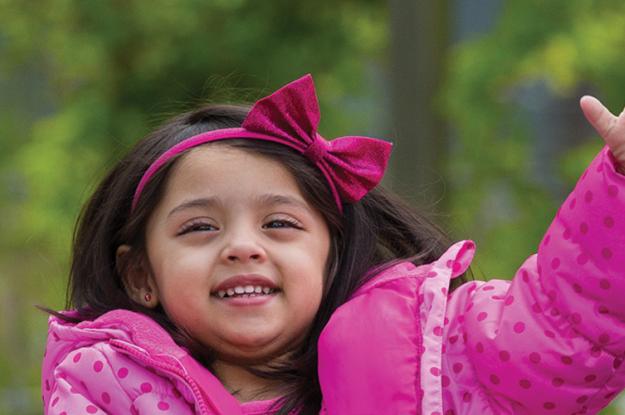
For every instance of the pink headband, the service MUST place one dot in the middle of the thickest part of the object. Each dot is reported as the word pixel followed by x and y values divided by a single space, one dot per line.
pixel 352 165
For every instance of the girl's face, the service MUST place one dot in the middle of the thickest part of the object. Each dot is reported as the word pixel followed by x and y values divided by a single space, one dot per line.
pixel 230 219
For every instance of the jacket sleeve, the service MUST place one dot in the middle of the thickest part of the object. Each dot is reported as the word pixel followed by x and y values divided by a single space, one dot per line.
pixel 553 339
pixel 98 380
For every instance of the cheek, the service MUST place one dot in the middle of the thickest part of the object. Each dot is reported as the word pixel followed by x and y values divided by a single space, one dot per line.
pixel 305 291
pixel 178 296
pixel 182 280
pixel 181 266
pixel 317 266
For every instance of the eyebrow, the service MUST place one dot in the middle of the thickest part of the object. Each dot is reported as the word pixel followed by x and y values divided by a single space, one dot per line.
pixel 271 199
pixel 203 202
pixel 268 199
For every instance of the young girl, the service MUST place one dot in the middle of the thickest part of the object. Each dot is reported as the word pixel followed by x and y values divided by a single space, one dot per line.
pixel 237 263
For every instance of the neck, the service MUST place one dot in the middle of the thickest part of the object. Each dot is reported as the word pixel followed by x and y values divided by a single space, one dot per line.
pixel 243 385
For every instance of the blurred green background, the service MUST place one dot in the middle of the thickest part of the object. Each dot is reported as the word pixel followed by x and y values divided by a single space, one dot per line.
pixel 479 97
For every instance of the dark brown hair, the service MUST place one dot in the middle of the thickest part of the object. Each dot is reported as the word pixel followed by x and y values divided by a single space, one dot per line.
pixel 370 234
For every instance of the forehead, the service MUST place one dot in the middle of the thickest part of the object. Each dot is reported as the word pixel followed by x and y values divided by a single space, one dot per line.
pixel 223 171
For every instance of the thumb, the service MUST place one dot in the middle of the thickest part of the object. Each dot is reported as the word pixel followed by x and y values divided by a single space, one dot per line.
pixel 610 127
pixel 597 115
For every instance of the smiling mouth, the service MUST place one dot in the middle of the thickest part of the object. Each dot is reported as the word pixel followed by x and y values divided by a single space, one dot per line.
pixel 246 292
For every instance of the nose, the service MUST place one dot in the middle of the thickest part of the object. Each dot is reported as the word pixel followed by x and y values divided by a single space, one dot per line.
pixel 242 248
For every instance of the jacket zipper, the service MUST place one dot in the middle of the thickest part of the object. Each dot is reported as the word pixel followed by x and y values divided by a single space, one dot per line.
pixel 149 361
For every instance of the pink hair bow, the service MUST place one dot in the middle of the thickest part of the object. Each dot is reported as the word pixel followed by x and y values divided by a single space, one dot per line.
pixel 352 165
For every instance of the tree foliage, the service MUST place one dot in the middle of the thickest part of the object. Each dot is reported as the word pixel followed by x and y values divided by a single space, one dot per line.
pixel 572 47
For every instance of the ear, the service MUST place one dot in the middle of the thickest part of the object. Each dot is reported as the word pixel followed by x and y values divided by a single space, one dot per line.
pixel 136 277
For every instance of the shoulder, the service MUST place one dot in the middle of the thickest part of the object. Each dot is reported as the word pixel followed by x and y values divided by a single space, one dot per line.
pixel 99 376
pixel 114 327
pixel 85 359
pixel 453 263
pixel 71 340
pixel 379 335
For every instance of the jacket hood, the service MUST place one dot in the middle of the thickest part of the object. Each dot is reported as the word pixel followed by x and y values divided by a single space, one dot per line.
pixel 128 326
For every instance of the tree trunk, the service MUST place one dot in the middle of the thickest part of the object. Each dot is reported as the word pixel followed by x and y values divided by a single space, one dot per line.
pixel 419 42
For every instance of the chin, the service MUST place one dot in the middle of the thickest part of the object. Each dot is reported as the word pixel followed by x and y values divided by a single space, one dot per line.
pixel 251 358
pixel 253 350
pixel 250 344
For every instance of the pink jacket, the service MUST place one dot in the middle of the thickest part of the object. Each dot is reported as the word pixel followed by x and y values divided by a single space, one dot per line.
pixel 551 341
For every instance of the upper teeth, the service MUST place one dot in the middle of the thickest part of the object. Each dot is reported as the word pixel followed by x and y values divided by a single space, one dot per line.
pixel 245 289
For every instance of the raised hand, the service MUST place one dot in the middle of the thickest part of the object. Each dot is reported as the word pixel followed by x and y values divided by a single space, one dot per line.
pixel 610 127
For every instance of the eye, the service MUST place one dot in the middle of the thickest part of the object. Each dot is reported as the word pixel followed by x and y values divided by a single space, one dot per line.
pixel 282 223
pixel 197 226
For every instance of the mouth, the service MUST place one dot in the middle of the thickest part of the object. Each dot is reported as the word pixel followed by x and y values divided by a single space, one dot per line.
pixel 246 291
pixel 246 286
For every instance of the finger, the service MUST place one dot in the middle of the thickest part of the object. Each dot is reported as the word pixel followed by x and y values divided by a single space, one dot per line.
pixel 598 116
